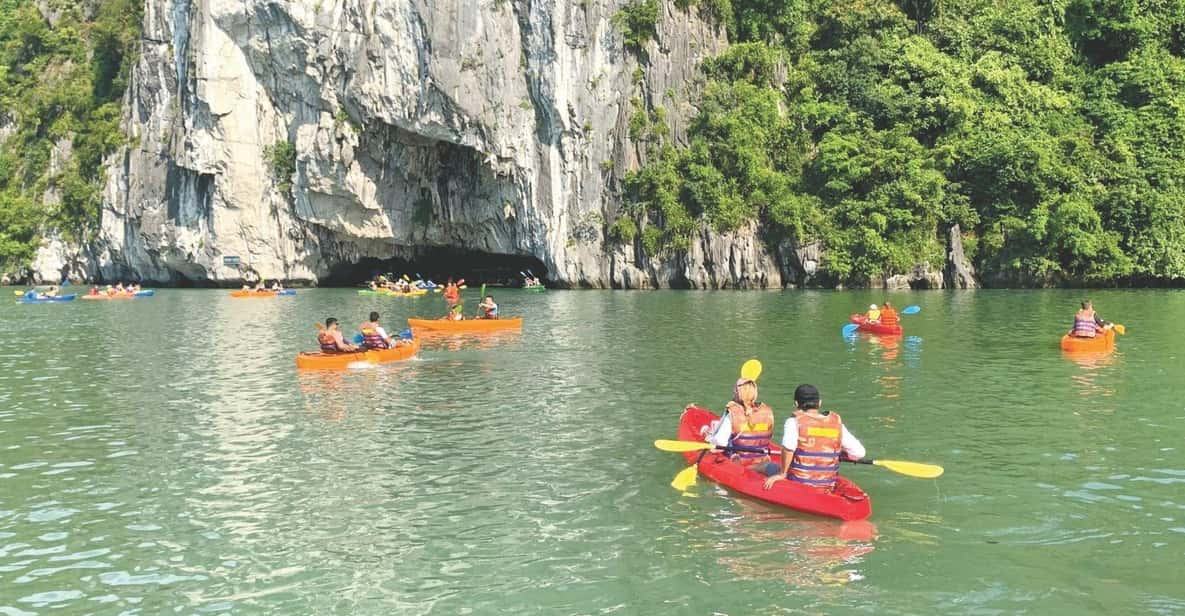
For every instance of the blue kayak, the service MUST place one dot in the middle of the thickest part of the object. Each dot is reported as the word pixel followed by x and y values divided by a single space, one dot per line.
pixel 146 293
pixel 45 299
pixel 286 292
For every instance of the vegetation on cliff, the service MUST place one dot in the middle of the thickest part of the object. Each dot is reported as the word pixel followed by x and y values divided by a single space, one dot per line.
pixel 60 92
pixel 1050 131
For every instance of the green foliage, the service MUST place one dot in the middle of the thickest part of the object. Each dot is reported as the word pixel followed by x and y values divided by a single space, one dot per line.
pixel 281 161
pixel 1050 132
pixel 623 230
pixel 636 21
pixel 64 85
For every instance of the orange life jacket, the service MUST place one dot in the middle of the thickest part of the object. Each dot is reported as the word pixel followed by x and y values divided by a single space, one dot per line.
pixel 371 338
pixel 756 434
pixel 452 294
pixel 328 342
pixel 889 316
pixel 816 459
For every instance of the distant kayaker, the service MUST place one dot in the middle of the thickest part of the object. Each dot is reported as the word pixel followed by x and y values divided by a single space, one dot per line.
pixel 331 340
pixel 489 309
pixel 750 424
pixel 373 334
pixel 874 315
pixel 1087 322
pixel 889 316
pixel 812 443
pixel 276 286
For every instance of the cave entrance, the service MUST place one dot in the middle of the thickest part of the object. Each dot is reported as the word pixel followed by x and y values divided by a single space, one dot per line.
pixel 438 264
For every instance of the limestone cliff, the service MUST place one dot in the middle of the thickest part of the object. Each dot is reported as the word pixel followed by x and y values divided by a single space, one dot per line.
pixel 303 135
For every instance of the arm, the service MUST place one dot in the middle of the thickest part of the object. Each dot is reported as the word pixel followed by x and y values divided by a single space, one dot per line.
pixel 789 444
pixel 853 449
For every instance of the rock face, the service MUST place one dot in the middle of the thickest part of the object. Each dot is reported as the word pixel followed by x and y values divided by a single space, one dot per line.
pixel 495 127
pixel 304 135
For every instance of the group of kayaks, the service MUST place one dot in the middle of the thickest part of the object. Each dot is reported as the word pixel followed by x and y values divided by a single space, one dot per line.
pixel 99 296
pixel 261 294
pixel 33 297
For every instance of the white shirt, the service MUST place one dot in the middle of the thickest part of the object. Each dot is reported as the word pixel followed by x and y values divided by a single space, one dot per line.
pixel 378 329
pixel 852 447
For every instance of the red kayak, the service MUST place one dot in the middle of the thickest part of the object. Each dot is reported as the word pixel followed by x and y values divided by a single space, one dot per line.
pixel 875 328
pixel 846 502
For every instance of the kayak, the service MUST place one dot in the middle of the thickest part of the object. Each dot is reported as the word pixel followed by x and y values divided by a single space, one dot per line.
pixel 535 287
pixel 467 325
pixel 286 292
pixel 874 328
pixel 846 502
pixel 146 293
pixel 252 294
pixel 416 293
pixel 341 361
pixel 99 296
pixel 1102 342
pixel 48 299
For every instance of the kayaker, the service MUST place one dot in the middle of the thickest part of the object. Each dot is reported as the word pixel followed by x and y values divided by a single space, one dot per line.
pixel 330 339
pixel 750 424
pixel 456 314
pixel 874 315
pixel 1087 322
pixel 452 294
pixel 489 310
pixel 889 315
pixel 373 334
pixel 276 286
pixel 816 438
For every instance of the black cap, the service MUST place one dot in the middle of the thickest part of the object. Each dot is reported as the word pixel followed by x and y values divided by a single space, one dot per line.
pixel 805 394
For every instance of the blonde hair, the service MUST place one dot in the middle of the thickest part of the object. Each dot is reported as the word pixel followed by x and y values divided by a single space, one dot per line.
pixel 747 393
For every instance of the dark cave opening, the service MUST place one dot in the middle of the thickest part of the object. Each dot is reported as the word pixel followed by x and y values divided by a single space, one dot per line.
pixel 438 264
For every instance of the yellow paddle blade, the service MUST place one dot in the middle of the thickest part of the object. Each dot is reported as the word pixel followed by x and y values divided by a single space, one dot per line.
pixel 681 446
pixel 913 469
pixel 751 370
pixel 1120 329
pixel 686 478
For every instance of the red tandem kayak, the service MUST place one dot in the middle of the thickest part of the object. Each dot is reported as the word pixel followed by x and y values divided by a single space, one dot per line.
pixel 846 502
pixel 875 328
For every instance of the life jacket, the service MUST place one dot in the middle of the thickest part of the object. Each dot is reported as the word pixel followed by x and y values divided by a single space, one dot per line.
pixel 492 312
pixel 371 338
pixel 874 315
pixel 757 435
pixel 816 459
pixel 889 317
pixel 1084 325
pixel 327 342
pixel 452 294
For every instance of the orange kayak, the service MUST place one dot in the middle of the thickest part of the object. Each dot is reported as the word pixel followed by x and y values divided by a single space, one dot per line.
pixel 467 325
pixel 1103 342
pixel 252 294
pixel 112 296
pixel 341 361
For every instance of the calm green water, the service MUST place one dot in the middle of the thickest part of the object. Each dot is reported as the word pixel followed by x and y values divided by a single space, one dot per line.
pixel 163 455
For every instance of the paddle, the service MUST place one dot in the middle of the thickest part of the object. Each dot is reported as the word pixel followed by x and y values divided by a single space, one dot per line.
pixel 914 309
pixel 1119 329
pixel 481 298
pixel 850 329
pixel 909 469
pixel 750 370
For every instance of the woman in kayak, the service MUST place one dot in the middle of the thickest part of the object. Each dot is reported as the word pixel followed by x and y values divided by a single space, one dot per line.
pixel 750 425
pixel 489 310
pixel 816 438
pixel 1087 323
pixel 889 315
pixel 331 341
pixel 373 334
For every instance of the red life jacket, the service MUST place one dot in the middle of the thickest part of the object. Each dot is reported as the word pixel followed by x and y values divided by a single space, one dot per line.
pixel 816 459
pixel 757 435
pixel 371 338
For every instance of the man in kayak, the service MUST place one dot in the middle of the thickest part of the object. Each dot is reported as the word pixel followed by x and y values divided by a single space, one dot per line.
pixel 749 424
pixel 812 443
pixel 489 310
pixel 874 315
pixel 1087 323
pixel 373 334
pixel 331 341
pixel 889 316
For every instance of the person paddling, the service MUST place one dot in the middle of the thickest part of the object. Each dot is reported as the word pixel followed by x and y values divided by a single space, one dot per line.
pixel 750 424
pixel 331 341
pixel 373 334
pixel 489 309
pixel 1087 322
pixel 874 314
pixel 452 298
pixel 889 316
pixel 812 443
